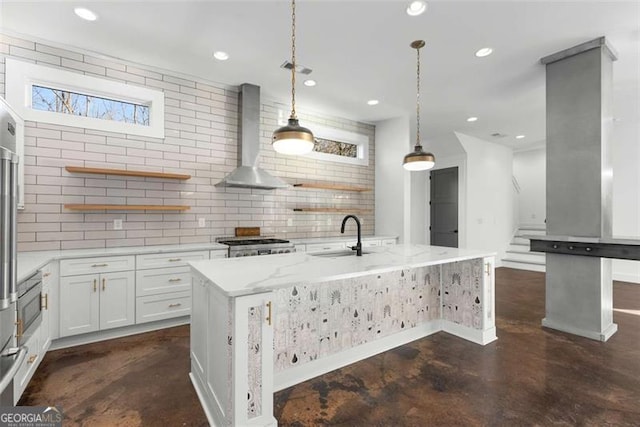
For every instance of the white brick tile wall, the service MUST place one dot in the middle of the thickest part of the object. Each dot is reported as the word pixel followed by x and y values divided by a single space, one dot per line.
pixel 200 139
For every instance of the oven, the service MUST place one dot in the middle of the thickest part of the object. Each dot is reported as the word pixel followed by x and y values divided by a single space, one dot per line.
pixel 29 307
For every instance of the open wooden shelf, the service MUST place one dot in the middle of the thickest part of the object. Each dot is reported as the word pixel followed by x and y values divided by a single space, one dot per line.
pixel 127 207
pixel 124 172
pixel 332 210
pixel 330 186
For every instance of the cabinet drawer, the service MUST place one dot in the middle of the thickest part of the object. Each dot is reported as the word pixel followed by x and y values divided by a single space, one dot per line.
pixel 29 365
pixel 218 253
pixel 388 242
pixel 73 267
pixel 365 243
pixel 171 259
pixel 163 306
pixel 163 280
pixel 320 247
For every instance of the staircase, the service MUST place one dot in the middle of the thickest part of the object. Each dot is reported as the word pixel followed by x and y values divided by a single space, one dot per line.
pixel 518 255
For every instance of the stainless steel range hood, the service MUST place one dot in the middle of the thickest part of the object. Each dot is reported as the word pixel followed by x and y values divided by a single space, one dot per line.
pixel 248 174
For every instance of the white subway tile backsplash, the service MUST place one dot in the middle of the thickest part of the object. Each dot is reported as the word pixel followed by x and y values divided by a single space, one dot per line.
pixel 200 139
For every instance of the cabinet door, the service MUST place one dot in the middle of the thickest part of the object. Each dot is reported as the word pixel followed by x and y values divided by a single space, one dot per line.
pixel 117 299
pixel 25 372
pixel 79 304
pixel 199 317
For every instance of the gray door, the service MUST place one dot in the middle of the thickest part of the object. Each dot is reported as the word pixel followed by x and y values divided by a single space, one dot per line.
pixel 444 207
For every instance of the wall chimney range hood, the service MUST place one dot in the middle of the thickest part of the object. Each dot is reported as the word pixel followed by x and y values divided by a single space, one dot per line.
pixel 248 174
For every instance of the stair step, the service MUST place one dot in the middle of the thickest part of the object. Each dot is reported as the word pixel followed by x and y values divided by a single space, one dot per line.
pixel 526 257
pixel 533 227
pixel 509 259
pixel 523 265
pixel 520 240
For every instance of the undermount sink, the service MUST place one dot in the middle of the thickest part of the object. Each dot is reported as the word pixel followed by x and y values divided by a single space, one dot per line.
pixel 337 254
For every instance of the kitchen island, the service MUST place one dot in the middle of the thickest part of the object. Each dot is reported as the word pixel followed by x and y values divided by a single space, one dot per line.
pixel 261 324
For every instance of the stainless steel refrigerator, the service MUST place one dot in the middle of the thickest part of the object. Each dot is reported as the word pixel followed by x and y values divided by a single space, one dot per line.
pixel 10 357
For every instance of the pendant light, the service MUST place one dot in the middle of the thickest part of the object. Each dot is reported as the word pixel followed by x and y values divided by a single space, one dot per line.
pixel 418 159
pixel 293 138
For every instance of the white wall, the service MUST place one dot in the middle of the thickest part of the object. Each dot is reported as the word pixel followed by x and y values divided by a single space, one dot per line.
pixel 391 215
pixel 529 169
pixel 489 220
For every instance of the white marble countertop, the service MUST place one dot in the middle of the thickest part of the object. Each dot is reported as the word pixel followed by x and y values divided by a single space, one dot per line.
pixel 30 262
pixel 616 240
pixel 252 275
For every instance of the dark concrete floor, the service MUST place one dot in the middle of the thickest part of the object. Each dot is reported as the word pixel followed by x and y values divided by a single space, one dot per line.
pixel 530 376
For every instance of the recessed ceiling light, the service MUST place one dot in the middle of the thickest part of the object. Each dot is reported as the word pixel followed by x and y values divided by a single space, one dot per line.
pixel 519 136
pixel 373 102
pixel 85 14
pixel 220 55
pixel 472 119
pixel 310 82
pixel 416 8
pixel 485 51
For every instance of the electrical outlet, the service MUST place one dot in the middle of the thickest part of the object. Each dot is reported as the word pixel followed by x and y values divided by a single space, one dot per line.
pixel 289 222
pixel 201 222
pixel 117 224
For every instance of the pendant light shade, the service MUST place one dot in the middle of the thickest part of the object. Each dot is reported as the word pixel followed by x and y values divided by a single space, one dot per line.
pixel 418 159
pixel 293 138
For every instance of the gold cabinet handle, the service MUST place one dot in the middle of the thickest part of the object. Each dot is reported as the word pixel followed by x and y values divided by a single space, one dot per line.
pixel 175 259
pixel 269 313
pixel 19 329
pixel 175 305
pixel 104 283
pixel 95 285
pixel 176 279
pixel 32 359
pixel 44 304
pixel 100 265
pixel 487 267
pixel 46 275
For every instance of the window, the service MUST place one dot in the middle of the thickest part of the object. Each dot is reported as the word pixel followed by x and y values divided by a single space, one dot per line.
pixel 336 148
pixel 78 104
pixel 52 95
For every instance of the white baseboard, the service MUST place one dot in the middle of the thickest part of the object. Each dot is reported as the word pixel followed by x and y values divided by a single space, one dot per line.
pixel 474 335
pixel 109 334
pixel 309 370
pixel 594 335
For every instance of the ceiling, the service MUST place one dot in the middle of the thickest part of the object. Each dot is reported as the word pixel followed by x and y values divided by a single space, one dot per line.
pixel 359 50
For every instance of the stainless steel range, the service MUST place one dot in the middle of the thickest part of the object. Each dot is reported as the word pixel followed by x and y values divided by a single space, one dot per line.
pixel 257 246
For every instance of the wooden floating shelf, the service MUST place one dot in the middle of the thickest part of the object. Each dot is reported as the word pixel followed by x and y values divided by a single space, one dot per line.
pixel 332 210
pixel 127 207
pixel 124 172
pixel 329 186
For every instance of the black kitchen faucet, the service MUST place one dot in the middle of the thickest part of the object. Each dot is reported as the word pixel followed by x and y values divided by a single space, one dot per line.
pixel 358 246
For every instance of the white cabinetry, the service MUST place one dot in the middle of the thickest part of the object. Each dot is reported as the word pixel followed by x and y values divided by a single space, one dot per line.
pixel 49 306
pixel 163 285
pixel 218 253
pixel 98 301
pixel 31 362
pixel 321 247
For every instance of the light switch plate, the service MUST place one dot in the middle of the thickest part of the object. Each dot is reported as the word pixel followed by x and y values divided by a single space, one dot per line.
pixel 117 224
pixel 201 222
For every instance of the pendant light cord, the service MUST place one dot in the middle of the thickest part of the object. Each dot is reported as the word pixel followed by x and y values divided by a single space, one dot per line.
pixel 418 100
pixel 293 59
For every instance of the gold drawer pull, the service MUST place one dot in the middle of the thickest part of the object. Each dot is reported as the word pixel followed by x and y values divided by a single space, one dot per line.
pixel 95 285
pixel 175 305
pixel 20 328
pixel 177 279
pixel 46 275
pixel 45 303
pixel 100 265
pixel 104 283
pixel 488 268
pixel 175 259
pixel 32 359
pixel 269 313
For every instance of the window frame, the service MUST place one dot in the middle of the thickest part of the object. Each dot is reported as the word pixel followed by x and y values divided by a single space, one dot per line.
pixel 22 76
